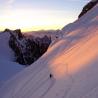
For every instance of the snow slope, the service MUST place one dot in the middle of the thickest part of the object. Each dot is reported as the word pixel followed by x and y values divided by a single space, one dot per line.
pixel 72 61
pixel 8 68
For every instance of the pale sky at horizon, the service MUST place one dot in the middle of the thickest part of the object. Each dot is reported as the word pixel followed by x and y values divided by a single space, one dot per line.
pixel 38 14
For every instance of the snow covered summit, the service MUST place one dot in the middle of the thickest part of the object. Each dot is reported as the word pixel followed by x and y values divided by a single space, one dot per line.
pixel 67 70
pixel 8 68
pixel 17 49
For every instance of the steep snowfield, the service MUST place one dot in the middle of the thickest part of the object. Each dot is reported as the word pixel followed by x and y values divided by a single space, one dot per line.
pixel 5 51
pixel 72 62
pixel 8 68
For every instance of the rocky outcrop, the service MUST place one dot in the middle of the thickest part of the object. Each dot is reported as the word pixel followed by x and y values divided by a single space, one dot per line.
pixel 87 7
pixel 27 50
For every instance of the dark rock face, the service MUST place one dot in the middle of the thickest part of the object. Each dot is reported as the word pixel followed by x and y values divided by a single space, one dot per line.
pixel 27 50
pixel 87 7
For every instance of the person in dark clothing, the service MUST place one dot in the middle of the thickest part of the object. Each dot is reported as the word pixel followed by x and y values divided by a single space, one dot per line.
pixel 51 75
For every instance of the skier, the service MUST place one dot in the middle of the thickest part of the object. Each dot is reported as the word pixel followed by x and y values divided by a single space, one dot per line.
pixel 51 75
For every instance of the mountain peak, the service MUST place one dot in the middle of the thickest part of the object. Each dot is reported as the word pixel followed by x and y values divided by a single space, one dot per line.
pixel 88 7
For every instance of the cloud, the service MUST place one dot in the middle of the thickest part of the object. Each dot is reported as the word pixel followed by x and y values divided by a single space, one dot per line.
pixel 6 6
pixel 10 1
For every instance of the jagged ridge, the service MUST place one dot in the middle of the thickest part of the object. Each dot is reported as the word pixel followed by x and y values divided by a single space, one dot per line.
pixel 27 49
pixel 88 7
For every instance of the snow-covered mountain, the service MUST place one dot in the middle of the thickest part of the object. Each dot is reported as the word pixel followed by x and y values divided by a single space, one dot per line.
pixel 7 67
pixel 67 70
pixel 28 49
pixel 88 7
pixel 17 49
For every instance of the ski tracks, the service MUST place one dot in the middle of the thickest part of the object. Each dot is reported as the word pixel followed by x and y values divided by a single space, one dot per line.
pixel 36 83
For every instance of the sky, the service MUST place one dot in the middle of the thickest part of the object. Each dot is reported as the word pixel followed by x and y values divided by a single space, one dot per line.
pixel 31 15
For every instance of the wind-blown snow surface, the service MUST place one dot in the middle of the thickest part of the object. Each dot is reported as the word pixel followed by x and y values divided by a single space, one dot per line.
pixel 8 68
pixel 72 61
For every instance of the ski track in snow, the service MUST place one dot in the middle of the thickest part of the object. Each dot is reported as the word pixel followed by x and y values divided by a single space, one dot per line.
pixel 92 93
pixel 34 76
